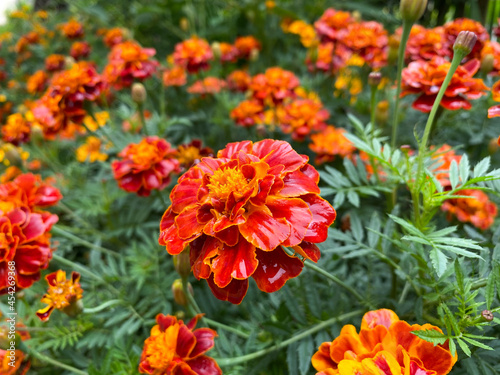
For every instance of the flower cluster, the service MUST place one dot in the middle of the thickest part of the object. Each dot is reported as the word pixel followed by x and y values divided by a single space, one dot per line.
pixel 384 345
pixel 329 143
pixel 17 130
pixel 25 228
pixel 193 54
pixel 175 76
pixel 236 211
pixel 145 166
pixel 208 85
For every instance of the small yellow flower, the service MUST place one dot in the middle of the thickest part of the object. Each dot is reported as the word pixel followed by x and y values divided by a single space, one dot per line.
pixel 101 117
pixel 90 151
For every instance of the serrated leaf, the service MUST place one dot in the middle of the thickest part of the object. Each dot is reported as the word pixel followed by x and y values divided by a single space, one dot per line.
pixel 408 226
pixel 374 225
pixel 357 228
pixel 453 174
pixel 351 171
pixel 453 347
pixel 305 352
pixel 353 198
pixel 459 251
pixel 464 168
pixel 481 167
pixel 417 239
pixel 459 275
pixel 431 335
pixel 464 347
pixel 339 199
pixel 438 260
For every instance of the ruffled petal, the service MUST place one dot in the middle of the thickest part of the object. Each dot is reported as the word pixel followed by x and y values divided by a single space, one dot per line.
pixel 204 341
pixel 186 341
pixel 238 262
pixel 298 183
pixel 204 365
pixel 323 216
pixel 203 249
pixel 234 292
pixel 279 153
pixel 264 231
pixel 321 359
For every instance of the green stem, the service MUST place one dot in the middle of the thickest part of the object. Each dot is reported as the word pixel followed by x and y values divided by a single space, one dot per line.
pixel 46 359
pixel 142 119
pixel 102 306
pixel 61 232
pixel 457 58
pixel 401 59
pixel 284 344
pixel 237 332
pixel 373 103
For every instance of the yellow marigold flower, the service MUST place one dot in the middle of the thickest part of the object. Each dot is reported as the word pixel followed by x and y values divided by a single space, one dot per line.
pixel 16 130
pixel 307 34
pixel 42 14
pixel 90 151
pixel 19 14
pixel 62 294
pixel 91 124
pixel 5 36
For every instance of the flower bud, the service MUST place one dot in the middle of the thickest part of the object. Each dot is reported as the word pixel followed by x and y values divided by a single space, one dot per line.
pixel 392 55
pixel 179 294
pixel 74 308
pixel 487 315
pixel 184 24
pixel 182 264
pixel 138 93
pixel 382 112
pixel 493 145
pixel 69 62
pixel 254 54
pixel 412 10
pixel 356 15
pixel 374 78
pixel 216 50
pixel 487 63
pixel 465 42
pixel 12 154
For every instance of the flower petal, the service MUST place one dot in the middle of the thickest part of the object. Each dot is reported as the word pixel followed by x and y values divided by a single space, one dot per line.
pixel 204 341
pixel 234 292
pixel 321 359
pixel 323 216
pixel 383 317
pixel 238 262
pixel 264 231
pixel 203 249
pixel 204 365
pixel 186 341
pixel 298 183
pixel 279 153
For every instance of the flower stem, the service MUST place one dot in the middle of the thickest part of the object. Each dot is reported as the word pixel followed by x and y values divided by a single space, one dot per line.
pixel 237 332
pixel 284 344
pixel 457 57
pixel 54 362
pixel 61 232
pixel 373 103
pixel 140 109
pixel 102 306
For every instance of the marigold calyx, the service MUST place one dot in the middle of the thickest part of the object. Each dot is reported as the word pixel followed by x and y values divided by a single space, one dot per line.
pixel 465 42
pixel 139 93
pixel 374 78
pixel 412 10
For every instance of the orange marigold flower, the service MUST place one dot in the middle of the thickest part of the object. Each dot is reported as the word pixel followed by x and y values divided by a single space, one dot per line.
pixel 329 143
pixel 426 77
pixel 477 210
pixel 228 52
pixel 492 48
pixel 177 348
pixel 79 50
pixel 37 81
pixel 72 29
pixel 90 151
pixel 236 212
pixel 17 130
pixel 145 166
pixel 384 344
pixel 54 63
pixel 129 61
pixel 307 34
pixel 246 45
pixel 453 28
pixel 248 113
pixel 62 294
pixel 274 85
pixel 193 54
pixel 239 80
pixel 301 116
pixel 114 36
pixel 329 24
pixel 424 44
pixel 191 153
pixel 30 38
pixel 175 76
pixel 20 366
pixel 495 110
pixel 207 85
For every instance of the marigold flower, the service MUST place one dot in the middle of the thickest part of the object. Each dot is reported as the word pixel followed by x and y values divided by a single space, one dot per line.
pixel 54 63
pixel 90 151
pixel 237 210
pixel 330 142
pixel 36 82
pixel 17 130
pixel 193 54
pixel 246 45
pixel 328 57
pixel 369 40
pixel 145 166
pixel 384 344
pixel 72 29
pixel 175 76
pixel 424 44
pixel 30 38
pixel 301 116
pixel 307 34
pixel 453 28
pixel 101 118
pixel 494 111
pixel 228 52
pixel 192 153
pixel 239 80
pixel 79 50
pixel 114 36
pixel 62 293
pixel 274 86
pixel 129 61
pixel 175 347
pixel 426 77
pixel 248 113
pixel 329 24
pixel 477 210
pixel 207 85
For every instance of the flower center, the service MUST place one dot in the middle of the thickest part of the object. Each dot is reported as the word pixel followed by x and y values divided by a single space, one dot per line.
pixel 144 153
pixel 225 181
pixel 188 155
pixel 63 294
pixel 160 349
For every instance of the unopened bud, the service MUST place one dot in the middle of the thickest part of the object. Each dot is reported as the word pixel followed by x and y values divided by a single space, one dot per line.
pixel 74 308
pixel 216 50
pixel 465 42
pixel 12 154
pixel 254 54
pixel 374 78
pixel 179 294
pixel 487 315
pixel 382 112
pixel 69 62
pixel 487 63
pixel 392 55
pixel 356 15
pixel 405 149
pixel 493 145
pixel 138 93
pixel 182 264
pixel 412 10
pixel 184 24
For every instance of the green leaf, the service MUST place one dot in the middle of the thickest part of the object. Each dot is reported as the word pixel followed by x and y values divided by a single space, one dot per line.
pixel 453 174
pixel 351 171
pixel 408 226
pixel 464 168
pixel 353 198
pixel 374 225
pixel 464 347
pixel 490 289
pixel 438 260
pixel 481 167
pixel 339 199
pixel 357 228
pixel 459 251
pixel 459 275
pixel 417 239
pixel 305 352
pixel 431 335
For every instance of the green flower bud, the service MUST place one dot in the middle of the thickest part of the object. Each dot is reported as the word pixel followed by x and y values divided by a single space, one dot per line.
pixel 139 94
pixel 465 42
pixel 412 10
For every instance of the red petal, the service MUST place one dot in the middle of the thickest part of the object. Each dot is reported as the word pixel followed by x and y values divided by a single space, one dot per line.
pixel 44 316
pixel 264 231
pixel 234 292
pixel 264 188
pixel 172 242
pixel 186 341
pixel 494 111
pixel 298 183
pixel 323 216
pixel 238 262
pixel 204 341
pixel 233 148
pixel 279 153
pixel 456 102
pixel 230 236
pixel 184 194
pixel 275 268
pixel 308 250
pixel 203 249
pixel 187 223
pixel 131 182
pixel 424 103
pixel 472 66
pixel 165 321
pixel 204 365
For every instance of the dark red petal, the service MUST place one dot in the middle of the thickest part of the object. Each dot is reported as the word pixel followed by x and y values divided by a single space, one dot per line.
pixel 44 316
pixel 298 183
pixel 204 365
pixel 131 182
pixel 193 322
pixel 323 216
pixel 455 103
pixel 494 111
pixel 172 242
pixel 203 249
pixel 308 250
pixel 238 262
pixel 424 103
pixel 180 368
pixel 186 341
pixel 275 268
pixel 165 321
pixel 204 341
pixel 264 231
pixel 234 292
pixel 264 188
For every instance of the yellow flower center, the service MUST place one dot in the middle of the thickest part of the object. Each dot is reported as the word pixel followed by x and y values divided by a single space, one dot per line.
pixel 144 153
pixel 63 294
pixel 160 348
pixel 225 181
pixel 187 155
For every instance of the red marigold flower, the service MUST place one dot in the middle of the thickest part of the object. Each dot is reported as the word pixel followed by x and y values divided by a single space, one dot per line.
pixel 329 24
pixel 301 116
pixel 207 85
pixel 62 294
pixel 129 61
pixel 54 63
pixel 426 77
pixel 191 153
pixel 177 348
pixel 17 130
pixel 239 80
pixel 72 29
pixel 453 28
pixel 246 45
pixel 236 211
pixel 386 343
pixel 175 76
pixel 30 38
pixel 79 50
pixel 193 54
pixel 114 36
pixel 494 111
pixel 274 85
pixel 145 166
pixel 248 113
pixel 424 44
pixel 329 143
pixel 37 81
pixel 228 52
pixel 477 210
